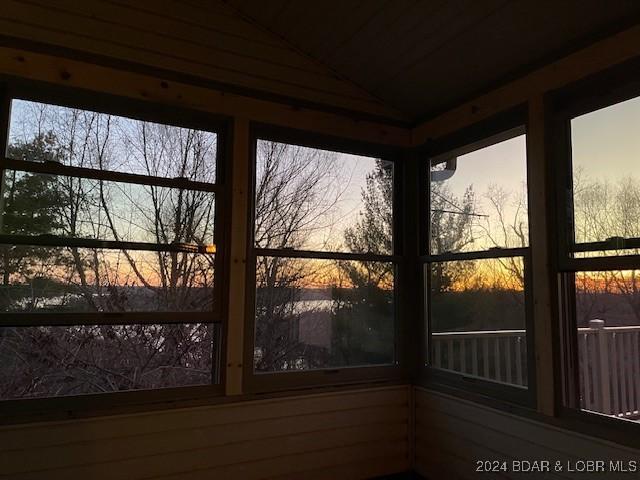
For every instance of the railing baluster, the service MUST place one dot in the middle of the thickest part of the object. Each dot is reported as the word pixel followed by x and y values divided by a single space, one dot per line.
pixel 507 357
pixel 628 362
pixel 519 361
pixel 474 354
pixel 615 381
pixel 633 394
pixel 609 362
pixel 603 366
pixel 635 361
pixel 496 359
pixel 628 367
pixel 628 359
pixel 594 361
pixel 622 369
pixel 586 372
pixel 485 359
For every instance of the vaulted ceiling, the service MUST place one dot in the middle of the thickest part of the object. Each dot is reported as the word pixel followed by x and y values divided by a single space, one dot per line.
pixel 397 60
pixel 422 56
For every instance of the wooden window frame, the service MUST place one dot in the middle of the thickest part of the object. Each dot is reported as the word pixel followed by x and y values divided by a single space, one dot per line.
pixel 28 409
pixel 498 128
pixel 609 87
pixel 265 382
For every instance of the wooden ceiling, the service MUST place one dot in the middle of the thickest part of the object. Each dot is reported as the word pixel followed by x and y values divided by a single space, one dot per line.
pixel 200 42
pixel 421 57
pixel 401 61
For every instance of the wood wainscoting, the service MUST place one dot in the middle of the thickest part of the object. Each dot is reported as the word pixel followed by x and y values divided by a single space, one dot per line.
pixel 347 434
pixel 452 435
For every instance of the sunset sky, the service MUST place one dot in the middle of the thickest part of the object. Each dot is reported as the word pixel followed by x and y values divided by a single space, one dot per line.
pixel 504 166
pixel 341 186
pixel 606 143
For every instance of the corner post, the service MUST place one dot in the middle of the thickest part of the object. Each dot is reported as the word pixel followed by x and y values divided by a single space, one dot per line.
pixel 540 204
pixel 238 256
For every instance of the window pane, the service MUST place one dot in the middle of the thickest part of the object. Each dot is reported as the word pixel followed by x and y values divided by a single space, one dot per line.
pixel 313 314
pixel 60 279
pixel 478 318
pixel 479 199
pixel 36 204
pixel 58 361
pixel 40 132
pixel 606 181
pixel 311 199
pixel 608 322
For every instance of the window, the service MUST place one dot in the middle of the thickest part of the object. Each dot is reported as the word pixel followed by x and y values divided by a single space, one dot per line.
pixel 600 260
pixel 109 267
pixel 475 262
pixel 323 256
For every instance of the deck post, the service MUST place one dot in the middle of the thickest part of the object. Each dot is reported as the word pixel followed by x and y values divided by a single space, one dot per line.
pixel 601 365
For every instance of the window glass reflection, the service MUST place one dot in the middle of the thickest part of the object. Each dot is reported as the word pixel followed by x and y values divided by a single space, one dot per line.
pixel 606 178
pixel 67 279
pixel 41 132
pixel 608 324
pixel 312 199
pixel 479 199
pixel 59 361
pixel 478 318
pixel 313 314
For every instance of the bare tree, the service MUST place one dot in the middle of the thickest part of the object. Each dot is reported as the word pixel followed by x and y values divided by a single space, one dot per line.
pixel 506 226
pixel 451 229
pixel 297 194
pixel 606 211
pixel 102 358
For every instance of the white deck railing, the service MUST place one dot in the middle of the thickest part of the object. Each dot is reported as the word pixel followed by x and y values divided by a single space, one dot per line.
pixel 609 362
pixel 498 355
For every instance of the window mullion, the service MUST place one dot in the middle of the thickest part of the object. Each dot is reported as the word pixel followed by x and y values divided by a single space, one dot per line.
pixel 13 319
pixel 53 168
pixel 291 253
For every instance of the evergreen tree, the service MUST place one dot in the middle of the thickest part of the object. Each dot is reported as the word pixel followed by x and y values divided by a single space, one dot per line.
pixel 29 205
pixel 363 307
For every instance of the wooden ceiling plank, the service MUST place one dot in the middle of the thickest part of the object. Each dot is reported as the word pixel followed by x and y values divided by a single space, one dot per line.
pixel 495 51
pixel 219 19
pixel 78 74
pixel 155 23
pixel 405 35
pixel 310 29
pixel 382 50
pixel 368 39
pixel 143 47
pixel 348 26
pixel 606 53
pixel 456 26
pixel 233 78
pixel 283 20
pixel 292 11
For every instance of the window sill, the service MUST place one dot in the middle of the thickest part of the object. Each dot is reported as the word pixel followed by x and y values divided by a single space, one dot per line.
pixel 83 406
pixel 492 394
pixel 302 380
pixel 17 412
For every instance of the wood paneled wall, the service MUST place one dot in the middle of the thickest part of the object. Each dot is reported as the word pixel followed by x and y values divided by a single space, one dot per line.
pixel 452 434
pixel 352 434
pixel 206 40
